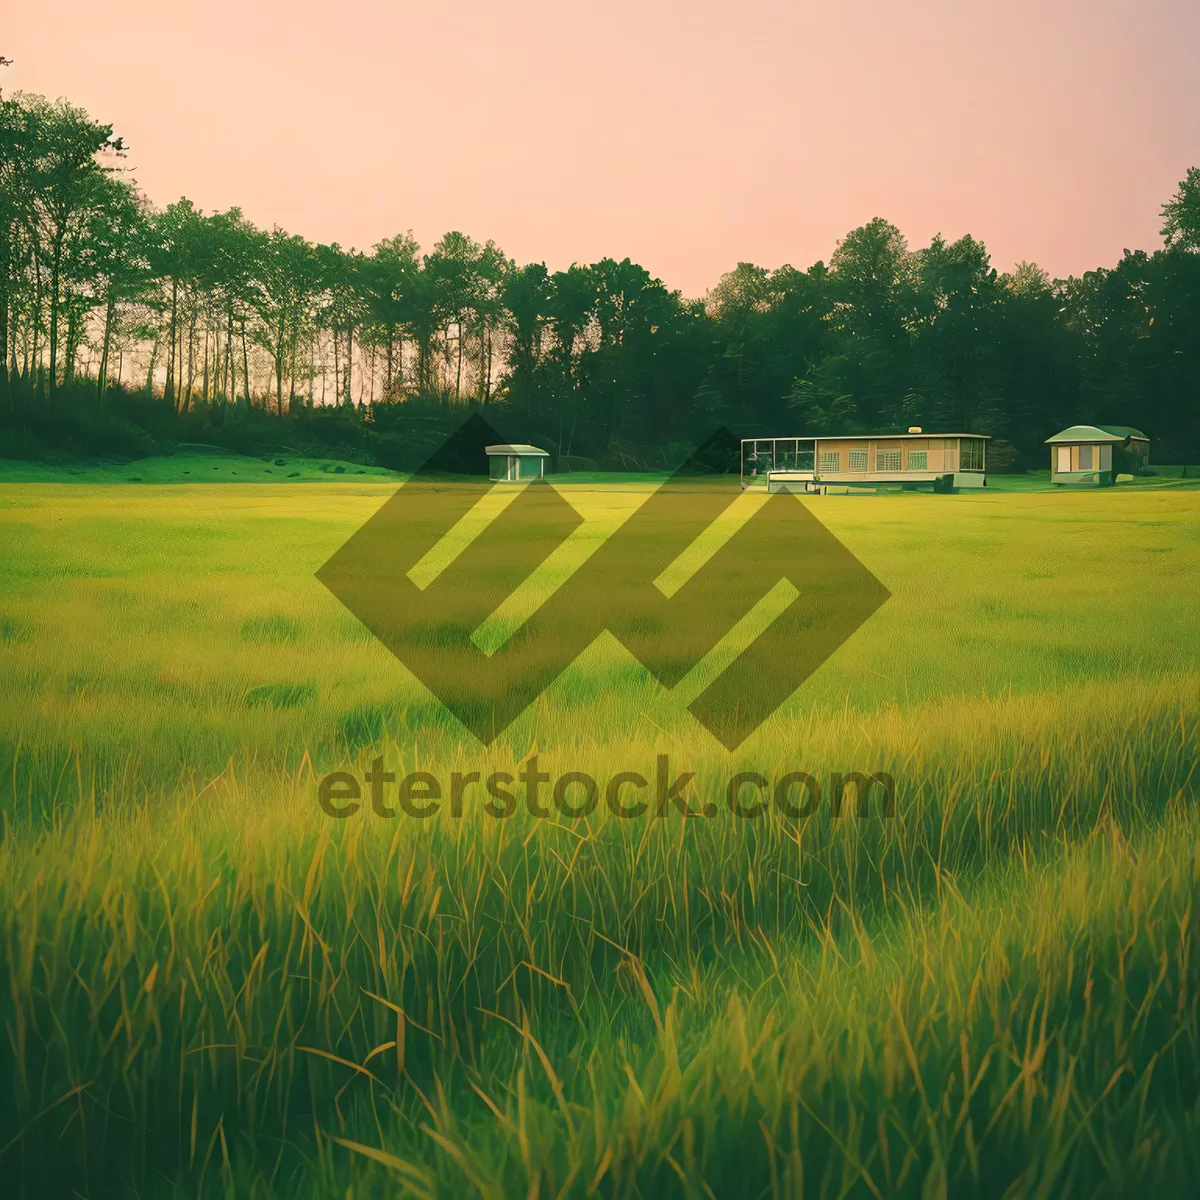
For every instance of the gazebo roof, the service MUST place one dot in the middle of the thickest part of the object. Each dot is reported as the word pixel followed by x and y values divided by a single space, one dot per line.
pixel 1097 433
pixel 518 449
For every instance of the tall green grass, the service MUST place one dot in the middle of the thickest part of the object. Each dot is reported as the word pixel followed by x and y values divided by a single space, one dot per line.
pixel 213 989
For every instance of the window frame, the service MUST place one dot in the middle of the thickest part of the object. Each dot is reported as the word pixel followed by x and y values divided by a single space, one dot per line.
pixel 971 451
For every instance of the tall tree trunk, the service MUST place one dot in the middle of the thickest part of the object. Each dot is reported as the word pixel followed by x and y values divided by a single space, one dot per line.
pixel 169 383
pixel 204 388
pixel 458 369
pixel 487 395
pixel 6 396
pixel 425 361
pixel 279 353
pixel 229 366
pixel 191 362
pixel 246 365
pixel 55 267
pixel 483 358
pixel 72 346
pixel 218 367
pixel 102 375
pixel 349 361
pixel 179 373
pixel 33 351
pixel 292 381
pixel 337 399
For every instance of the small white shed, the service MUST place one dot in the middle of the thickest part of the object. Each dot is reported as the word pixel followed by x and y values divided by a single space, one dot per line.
pixel 516 462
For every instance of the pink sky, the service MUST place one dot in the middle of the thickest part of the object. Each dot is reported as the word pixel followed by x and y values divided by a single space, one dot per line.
pixel 686 134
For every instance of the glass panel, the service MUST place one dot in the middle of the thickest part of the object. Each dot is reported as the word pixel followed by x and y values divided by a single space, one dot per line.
pixel 858 460
pixel 831 460
pixel 917 460
pixel 1085 458
pixel 887 460
pixel 971 454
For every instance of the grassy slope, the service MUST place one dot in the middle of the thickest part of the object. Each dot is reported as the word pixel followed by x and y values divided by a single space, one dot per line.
pixel 193 467
pixel 996 988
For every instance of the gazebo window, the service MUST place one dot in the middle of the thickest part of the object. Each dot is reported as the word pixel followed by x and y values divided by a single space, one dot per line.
pixel 917 460
pixel 1085 458
pixel 887 460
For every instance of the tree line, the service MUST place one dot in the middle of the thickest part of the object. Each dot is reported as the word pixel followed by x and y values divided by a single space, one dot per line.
pixel 172 323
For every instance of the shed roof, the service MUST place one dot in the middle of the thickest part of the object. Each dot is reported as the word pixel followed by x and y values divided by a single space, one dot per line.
pixel 1098 433
pixel 518 450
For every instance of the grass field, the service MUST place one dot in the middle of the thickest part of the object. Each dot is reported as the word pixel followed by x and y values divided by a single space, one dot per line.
pixel 205 465
pixel 212 988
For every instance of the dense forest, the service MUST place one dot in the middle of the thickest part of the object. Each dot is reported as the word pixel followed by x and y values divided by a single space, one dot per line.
pixel 127 329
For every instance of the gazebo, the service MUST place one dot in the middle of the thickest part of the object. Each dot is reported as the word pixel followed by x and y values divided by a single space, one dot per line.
pixel 1097 454
pixel 516 462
